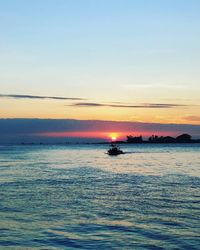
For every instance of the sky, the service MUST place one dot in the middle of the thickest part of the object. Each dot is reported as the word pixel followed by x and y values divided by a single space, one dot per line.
pixel 108 60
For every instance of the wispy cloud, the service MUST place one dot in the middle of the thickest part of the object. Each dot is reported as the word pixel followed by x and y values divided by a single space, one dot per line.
pixel 40 97
pixel 192 118
pixel 88 104
pixel 143 105
pixel 93 104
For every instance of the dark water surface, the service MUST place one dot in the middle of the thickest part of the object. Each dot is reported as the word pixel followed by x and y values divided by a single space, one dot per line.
pixel 77 197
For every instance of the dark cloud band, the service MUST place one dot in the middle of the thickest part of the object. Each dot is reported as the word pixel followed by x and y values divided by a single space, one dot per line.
pixel 18 126
pixel 40 97
pixel 144 105
pixel 192 118
pixel 32 130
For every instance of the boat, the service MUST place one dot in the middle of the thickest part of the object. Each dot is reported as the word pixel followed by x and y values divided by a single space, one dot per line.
pixel 114 150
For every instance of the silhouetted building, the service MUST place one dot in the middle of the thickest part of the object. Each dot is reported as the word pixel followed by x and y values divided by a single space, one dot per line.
pixel 183 138
pixel 161 139
pixel 168 139
pixel 153 138
pixel 134 139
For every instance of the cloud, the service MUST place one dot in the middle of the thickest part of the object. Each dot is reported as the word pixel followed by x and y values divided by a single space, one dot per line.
pixel 18 130
pixel 192 118
pixel 88 104
pixel 143 105
pixel 94 104
pixel 40 97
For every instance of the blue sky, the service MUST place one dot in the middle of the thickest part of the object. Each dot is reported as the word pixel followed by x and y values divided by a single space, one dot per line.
pixel 128 52
pixel 77 45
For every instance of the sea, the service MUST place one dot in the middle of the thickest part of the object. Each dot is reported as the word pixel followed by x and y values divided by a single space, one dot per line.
pixel 78 197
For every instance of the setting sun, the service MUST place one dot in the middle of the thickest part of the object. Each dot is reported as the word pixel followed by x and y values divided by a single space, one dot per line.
pixel 113 136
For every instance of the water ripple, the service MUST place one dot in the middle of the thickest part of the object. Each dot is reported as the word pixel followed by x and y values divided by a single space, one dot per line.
pixel 79 198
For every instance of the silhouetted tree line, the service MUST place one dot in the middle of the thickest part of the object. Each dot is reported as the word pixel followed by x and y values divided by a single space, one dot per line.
pixel 184 138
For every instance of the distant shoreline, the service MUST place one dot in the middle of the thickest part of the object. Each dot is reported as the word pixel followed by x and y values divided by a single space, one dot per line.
pixel 97 143
pixel 148 142
pixel 154 139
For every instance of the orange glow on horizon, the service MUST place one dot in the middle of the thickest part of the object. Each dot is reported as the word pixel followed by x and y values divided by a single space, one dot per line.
pixel 107 136
pixel 87 134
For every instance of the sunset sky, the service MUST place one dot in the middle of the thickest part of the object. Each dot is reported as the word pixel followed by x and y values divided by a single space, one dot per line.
pixel 109 60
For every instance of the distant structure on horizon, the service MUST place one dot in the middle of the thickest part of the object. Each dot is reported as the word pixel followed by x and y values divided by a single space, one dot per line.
pixel 169 139
pixel 134 139
pixel 183 138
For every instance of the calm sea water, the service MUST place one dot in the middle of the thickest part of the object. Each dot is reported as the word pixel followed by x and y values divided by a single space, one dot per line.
pixel 77 197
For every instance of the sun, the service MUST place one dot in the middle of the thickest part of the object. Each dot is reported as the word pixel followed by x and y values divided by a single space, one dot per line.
pixel 113 136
